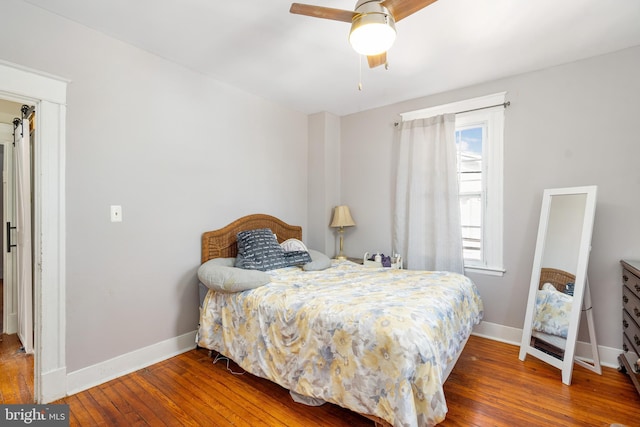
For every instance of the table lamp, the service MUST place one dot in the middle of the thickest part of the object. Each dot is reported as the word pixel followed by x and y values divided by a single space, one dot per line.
pixel 342 218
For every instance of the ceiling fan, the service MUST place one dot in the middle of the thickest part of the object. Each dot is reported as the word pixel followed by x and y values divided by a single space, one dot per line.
pixel 373 28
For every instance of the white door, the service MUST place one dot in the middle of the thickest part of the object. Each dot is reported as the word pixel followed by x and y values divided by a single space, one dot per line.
pixel 24 272
pixel 10 300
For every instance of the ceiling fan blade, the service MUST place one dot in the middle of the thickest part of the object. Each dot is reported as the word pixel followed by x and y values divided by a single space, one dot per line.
pixel 322 12
pixel 377 60
pixel 402 8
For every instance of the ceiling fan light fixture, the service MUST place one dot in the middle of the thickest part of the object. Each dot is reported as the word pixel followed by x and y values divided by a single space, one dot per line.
pixel 372 33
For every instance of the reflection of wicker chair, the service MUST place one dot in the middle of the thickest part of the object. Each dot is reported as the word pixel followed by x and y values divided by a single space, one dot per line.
pixel 557 278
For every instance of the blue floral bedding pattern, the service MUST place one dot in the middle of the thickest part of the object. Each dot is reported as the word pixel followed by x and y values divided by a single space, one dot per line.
pixel 376 341
pixel 553 309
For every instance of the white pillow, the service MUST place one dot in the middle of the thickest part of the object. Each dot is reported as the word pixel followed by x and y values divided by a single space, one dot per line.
pixel 319 261
pixel 292 245
pixel 220 275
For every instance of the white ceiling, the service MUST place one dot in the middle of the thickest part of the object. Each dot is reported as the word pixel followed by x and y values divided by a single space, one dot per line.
pixel 307 64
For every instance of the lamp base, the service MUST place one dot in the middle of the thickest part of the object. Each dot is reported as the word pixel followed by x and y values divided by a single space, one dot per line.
pixel 341 257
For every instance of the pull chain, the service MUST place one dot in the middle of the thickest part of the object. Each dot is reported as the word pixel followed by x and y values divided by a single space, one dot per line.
pixel 360 73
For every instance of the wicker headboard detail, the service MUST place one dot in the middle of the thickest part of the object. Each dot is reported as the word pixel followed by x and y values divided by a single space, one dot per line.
pixel 221 243
pixel 557 278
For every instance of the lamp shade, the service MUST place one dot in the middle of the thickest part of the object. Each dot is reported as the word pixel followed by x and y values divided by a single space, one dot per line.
pixel 342 217
pixel 372 33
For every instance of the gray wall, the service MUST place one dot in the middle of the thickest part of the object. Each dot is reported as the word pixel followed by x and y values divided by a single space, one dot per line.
pixel 180 152
pixel 324 179
pixel 570 125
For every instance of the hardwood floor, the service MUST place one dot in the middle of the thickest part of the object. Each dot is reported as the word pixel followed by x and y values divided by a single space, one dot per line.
pixel 16 371
pixel 489 386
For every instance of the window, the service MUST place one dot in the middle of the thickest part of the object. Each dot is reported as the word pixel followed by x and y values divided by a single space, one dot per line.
pixel 479 144
pixel 469 143
pixel 479 135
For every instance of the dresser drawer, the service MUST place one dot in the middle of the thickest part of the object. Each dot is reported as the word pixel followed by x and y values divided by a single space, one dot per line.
pixel 631 354
pixel 631 330
pixel 631 281
pixel 631 304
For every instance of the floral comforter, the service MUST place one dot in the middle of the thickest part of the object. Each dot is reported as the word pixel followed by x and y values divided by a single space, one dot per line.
pixel 376 341
pixel 553 309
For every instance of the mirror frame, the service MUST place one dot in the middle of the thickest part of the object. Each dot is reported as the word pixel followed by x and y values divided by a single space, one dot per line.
pixel 581 292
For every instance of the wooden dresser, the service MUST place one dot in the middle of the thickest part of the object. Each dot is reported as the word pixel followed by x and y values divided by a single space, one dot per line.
pixel 630 359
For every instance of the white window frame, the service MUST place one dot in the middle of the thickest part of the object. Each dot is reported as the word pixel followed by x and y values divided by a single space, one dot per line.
pixel 493 171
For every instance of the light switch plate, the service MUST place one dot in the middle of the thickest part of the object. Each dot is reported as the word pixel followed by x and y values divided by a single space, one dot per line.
pixel 116 213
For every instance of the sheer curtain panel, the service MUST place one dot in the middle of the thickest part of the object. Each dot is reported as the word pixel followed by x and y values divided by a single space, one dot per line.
pixel 426 218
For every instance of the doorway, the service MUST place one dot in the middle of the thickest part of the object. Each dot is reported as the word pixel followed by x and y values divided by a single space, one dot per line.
pixel 48 94
pixel 16 310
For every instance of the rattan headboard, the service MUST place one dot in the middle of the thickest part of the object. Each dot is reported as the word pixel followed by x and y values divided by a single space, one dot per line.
pixel 557 278
pixel 221 243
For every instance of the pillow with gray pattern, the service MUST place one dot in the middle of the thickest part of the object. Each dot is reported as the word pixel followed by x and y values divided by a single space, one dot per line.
pixel 259 250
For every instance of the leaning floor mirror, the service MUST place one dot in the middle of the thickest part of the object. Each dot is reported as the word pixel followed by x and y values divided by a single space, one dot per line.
pixel 559 290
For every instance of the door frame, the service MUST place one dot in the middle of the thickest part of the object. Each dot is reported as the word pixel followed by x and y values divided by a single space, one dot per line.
pixel 49 95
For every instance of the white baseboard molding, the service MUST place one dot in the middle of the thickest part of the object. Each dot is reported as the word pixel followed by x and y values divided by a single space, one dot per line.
pixel 102 372
pixel 509 335
pixel 53 386
pixel 11 327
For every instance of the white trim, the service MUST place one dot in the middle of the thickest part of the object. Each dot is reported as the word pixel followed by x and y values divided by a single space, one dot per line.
pixel 496 332
pixel 108 370
pixel 489 271
pixel 513 336
pixel 21 81
pixel 48 94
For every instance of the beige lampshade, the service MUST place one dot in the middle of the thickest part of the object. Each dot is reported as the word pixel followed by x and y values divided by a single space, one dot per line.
pixel 342 217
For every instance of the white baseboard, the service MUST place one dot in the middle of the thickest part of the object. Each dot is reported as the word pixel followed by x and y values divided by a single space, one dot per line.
pixel 11 327
pixel 496 332
pixel 102 372
pixel 509 335
pixel 52 386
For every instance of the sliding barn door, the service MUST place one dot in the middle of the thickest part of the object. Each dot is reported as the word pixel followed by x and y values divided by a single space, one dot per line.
pixel 23 223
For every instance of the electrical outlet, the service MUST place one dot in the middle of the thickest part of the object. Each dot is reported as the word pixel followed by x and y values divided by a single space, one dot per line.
pixel 116 213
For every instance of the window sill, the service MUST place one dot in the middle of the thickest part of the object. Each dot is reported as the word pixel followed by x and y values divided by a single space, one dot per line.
pixel 489 271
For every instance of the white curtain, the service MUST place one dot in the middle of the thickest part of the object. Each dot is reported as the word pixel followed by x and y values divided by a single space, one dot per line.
pixel 426 219
pixel 23 228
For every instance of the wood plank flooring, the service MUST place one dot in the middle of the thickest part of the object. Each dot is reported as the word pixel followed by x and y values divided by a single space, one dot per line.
pixel 489 386
pixel 16 371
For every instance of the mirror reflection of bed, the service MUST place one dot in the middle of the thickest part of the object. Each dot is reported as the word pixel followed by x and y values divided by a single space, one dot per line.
pixel 553 305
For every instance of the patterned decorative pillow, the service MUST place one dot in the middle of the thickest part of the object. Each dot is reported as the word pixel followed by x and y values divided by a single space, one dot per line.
pixel 259 250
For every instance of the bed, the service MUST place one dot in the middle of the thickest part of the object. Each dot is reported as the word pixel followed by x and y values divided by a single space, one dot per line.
pixel 553 307
pixel 378 341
